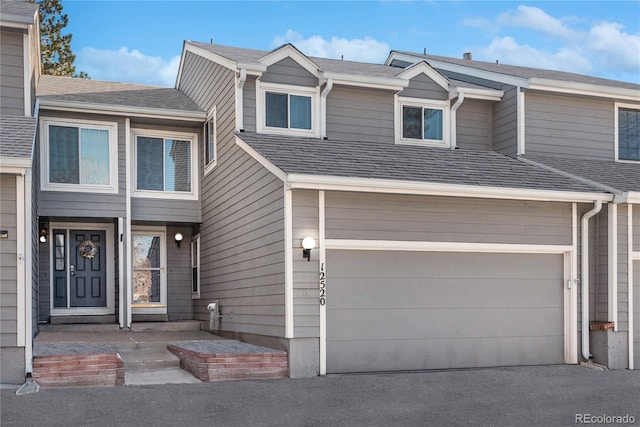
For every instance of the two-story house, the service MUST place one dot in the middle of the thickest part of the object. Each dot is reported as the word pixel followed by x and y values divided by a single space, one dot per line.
pixel 425 213
pixel 19 72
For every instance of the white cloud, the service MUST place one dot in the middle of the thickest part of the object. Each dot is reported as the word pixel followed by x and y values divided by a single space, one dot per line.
pixel 366 49
pixel 123 65
pixel 613 47
pixel 536 19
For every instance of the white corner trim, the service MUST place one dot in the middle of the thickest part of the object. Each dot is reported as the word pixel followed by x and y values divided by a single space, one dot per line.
pixel 521 129
pixel 288 262
pixel 418 246
pixel 279 173
pixel 323 269
pixel 121 234
pixel 630 283
pixel 21 247
pixel 26 57
pixel 612 252
pixel 128 289
pixel 28 263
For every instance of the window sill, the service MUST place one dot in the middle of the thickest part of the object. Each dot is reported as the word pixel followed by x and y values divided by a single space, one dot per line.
pixel 424 143
pixel 79 188
pixel 290 132
pixel 164 195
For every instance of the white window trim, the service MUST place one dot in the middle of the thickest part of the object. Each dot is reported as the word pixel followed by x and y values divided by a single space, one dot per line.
pixel 154 307
pixel 619 105
pixel 195 257
pixel 313 92
pixel 433 104
pixel 209 165
pixel 151 194
pixel 111 127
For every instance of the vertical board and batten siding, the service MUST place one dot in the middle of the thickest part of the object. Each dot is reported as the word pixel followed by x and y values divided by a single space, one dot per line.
pixel 242 237
pixel 11 73
pixel 8 263
pixel 289 72
pixel 179 303
pixel 505 122
pixel 249 104
pixel 474 125
pixel 571 126
pixel 419 218
pixel 306 308
pixel 81 204
pixel 424 88
pixel 356 114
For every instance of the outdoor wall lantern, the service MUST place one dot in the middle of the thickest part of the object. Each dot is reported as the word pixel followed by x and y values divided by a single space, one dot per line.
pixel 44 232
pixel 308 243
pixel 178 238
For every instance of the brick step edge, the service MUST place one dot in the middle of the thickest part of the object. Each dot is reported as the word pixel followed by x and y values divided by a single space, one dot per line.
pixel 77 370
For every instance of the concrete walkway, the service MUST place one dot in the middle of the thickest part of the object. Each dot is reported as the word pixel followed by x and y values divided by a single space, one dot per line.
pixel 527 396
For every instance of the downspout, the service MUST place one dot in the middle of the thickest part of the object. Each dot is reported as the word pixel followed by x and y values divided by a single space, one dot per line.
pixel 240 99
pixel 323 108
pixel 584 280
pixel 454 120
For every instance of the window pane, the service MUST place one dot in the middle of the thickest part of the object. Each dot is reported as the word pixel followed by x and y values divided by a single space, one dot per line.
pixel 411 122
pixel 149 163
pixel 276 106
pixel 63 155
pixel 146 286
pixel 146 251
pixel 210 141
pixel 94 156
pixel 433 124
pixel 300 112
pixel 177 165
pixel 628 134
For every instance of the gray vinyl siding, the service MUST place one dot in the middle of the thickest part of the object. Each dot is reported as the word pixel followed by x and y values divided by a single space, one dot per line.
pixel 570 126
pixel 8 263
pixel 35 251
pixel 179 303
pixel 289 72
pixel 242 234
pixel 419 218
pixel 636 228
pixel 306 308
pixel 505 122
pixel 249 104
pixel 474 125
pixel 422 87
pixel 355 114
pixel 165 210
pixel 81 204
pixel 599 262
pixel 34 62
pixel 11 73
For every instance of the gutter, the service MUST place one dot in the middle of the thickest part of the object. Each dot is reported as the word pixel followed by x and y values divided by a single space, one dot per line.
pixel 584 278
pixel 454 119
pixel 323 108
pixel 117 110
pixel 240 99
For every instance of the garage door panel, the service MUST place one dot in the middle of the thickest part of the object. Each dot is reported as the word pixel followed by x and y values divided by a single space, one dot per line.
pixel 409 292
pixel 423 310
pixel 368 356
pixel 443 323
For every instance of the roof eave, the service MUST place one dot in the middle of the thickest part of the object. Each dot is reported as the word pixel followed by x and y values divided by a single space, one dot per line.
pixel 575 88
pixel 366 81
pixel 120 110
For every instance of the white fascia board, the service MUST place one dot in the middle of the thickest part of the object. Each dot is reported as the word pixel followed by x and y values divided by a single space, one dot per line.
pixel 218 59
pixel 366 81
pixel 117 110
pixel 252 69
pixel 574 88
pixel 423 67
pixel 333 183
pixel 15 21
pixel 633 197
pixel 477 93
pixel 279 173
pixel 14 165
pixel 420 246
pixel 288 51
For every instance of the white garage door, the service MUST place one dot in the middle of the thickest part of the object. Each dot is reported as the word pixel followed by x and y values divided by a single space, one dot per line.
pixel 390 311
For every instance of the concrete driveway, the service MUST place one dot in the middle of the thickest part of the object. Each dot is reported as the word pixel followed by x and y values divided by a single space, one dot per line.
pixel 530 396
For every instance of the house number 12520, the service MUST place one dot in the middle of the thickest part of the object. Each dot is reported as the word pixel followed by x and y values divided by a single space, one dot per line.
pixel 323 285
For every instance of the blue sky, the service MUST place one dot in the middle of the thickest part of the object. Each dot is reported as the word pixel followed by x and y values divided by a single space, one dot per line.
pixel 141 41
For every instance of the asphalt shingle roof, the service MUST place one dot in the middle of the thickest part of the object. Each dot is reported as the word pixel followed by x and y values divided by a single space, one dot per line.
pixel 18 11
pixel 620 175
pixel 116 94
pixel 312 156
pixel 16 136
pixel 526 72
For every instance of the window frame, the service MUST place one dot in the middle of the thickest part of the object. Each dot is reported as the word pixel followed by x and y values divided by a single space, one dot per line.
pixel 402 102
pixel 110 127
pixel 156 194
pixel 195 263
pixel 261 108
pixel 211 123
pixel 159 307
pixel 616 136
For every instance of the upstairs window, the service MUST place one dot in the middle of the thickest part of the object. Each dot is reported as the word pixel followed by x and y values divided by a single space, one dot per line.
pixel 79 156
pixel 288 110
pixel 628 133
pixel 210 141
pixel 420 122
pixel 165 166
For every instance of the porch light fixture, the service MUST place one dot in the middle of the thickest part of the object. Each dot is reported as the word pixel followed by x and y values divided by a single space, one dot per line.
pixel 178 238
pixel 308 243
pixel 44 232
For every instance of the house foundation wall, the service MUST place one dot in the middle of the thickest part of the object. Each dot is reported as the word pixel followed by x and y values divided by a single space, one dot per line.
pixel 610 348
pixel 12 367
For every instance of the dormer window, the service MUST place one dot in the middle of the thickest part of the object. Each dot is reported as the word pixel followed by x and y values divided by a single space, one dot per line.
pixel 422 122
pixel 288 109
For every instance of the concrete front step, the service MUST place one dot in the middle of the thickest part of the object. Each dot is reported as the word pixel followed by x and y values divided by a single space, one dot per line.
pixel 149 359
pixel 158 376
pixel 182 325
pixel 50 327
